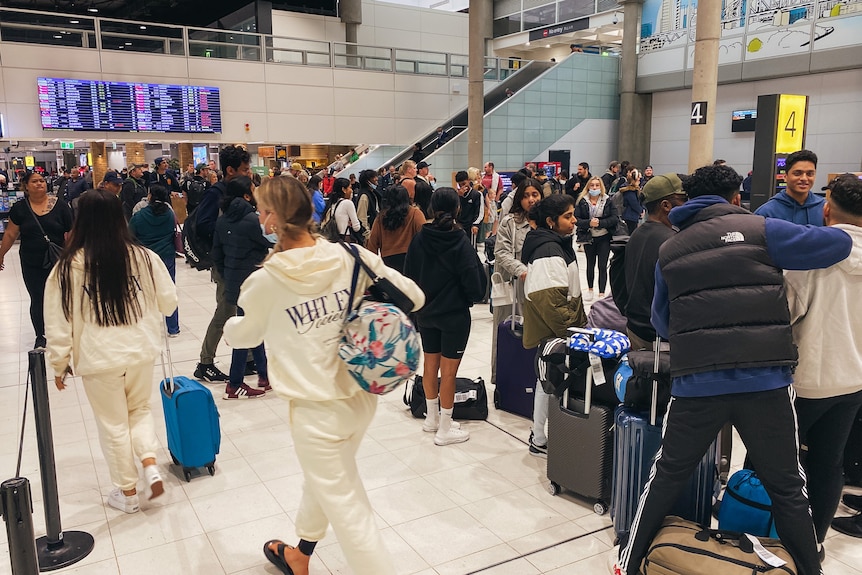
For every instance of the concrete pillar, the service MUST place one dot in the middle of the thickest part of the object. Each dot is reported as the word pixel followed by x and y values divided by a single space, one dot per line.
pixel 100 161
pixel 635 109
pixel 134 153
pixel 350 12
pixel 187 155
pixel 705 81
pixel 479 12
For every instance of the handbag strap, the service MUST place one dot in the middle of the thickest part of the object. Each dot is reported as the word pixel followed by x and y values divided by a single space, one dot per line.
pixel 38 223
pixel 354 281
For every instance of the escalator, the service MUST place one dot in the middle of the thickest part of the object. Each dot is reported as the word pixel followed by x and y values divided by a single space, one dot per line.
pixel 458 123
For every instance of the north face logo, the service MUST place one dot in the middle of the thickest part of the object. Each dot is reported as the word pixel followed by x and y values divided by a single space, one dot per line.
pixel 733 237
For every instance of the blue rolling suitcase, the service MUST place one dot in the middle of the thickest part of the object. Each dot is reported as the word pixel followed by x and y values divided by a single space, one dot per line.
pixel 516 374
pixel 637 440
pixel 192 422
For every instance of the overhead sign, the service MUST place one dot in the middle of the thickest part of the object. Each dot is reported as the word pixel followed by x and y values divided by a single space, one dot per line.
pixel 266 151
pixel 790 130
pixel 559 29
pixel 29 161
pixel 698 113
pixel 67 145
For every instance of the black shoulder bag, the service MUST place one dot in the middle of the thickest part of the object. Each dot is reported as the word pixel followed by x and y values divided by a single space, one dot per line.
pixel 54 251
pixel 381 289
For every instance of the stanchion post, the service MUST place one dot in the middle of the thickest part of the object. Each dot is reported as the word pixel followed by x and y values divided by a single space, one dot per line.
pixel 17 509
pixel 56 549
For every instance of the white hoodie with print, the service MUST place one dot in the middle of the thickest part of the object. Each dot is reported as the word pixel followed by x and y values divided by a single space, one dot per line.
pixel 296 303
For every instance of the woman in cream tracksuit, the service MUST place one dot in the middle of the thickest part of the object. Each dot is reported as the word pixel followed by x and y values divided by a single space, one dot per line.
pixel 297 302
pixel 105 306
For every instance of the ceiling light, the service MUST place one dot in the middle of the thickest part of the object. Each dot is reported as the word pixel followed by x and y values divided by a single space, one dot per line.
pixel 547 45
pixel 143 27
pixel 74 21
pixel 92 9
pixel 527 44
pixel 58 37
pixel 128 43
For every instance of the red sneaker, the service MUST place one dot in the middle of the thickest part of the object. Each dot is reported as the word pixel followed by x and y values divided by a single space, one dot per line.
pixel 241 392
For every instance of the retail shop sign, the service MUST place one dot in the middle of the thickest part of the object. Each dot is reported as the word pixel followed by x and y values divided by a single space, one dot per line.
pixel 559 29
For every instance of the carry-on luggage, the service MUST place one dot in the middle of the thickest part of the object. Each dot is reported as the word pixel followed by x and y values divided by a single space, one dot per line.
pixel 580 446
pixel 637 438
pixel 516 375
pixel 192 421
pixel 746 506
pixel 685 548
pixel 471 398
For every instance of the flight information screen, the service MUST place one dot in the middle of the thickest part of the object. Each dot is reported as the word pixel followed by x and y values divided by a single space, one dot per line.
pixel 94 105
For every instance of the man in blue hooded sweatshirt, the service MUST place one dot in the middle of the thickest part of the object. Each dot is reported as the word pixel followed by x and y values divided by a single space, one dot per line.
pixel 720 300
pixel 797 203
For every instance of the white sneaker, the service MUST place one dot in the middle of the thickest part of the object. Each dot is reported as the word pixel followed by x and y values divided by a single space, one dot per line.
pixel 454 435
pixel 125 503
pixel 154 480
pixel 432 427
pixel 588 295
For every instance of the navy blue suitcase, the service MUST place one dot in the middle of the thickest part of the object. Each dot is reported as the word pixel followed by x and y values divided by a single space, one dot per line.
pixel 636 443
pixel 192 422
pixel 516 373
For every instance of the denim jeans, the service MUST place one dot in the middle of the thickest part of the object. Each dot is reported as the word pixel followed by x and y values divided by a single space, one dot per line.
pixel 239 357
pixel 172 321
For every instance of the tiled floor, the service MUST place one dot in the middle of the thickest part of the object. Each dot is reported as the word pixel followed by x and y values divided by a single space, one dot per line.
pixel 476 507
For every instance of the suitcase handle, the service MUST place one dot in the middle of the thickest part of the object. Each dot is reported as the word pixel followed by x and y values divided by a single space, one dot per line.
pixel 168 386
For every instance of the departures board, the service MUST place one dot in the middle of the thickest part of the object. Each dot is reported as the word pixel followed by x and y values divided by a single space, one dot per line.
pixel 94 105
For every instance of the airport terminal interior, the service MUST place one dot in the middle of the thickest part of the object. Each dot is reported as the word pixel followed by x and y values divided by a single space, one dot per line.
pixel 361 83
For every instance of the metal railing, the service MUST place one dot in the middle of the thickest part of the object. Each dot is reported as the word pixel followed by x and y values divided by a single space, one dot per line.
pixel 92 33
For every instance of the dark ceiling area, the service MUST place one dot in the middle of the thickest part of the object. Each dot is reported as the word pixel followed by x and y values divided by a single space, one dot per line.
pixel 184 12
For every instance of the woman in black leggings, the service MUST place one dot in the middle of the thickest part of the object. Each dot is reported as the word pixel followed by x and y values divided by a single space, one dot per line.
pixel 596 220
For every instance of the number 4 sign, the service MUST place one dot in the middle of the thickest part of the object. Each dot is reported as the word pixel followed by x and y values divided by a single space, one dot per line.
pixel 698 113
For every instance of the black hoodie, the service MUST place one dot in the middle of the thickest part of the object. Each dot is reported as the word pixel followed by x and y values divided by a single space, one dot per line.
pixel 238 246
pixel 448 270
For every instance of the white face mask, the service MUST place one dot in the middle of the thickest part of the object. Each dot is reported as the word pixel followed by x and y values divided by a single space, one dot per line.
pixel 595 193
pixel 271 238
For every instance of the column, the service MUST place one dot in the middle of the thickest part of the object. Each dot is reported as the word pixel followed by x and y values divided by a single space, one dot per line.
pixel 635 109
pixel 187 155
pixel 476 83
pixel 350 12
pixel 100 161
pixel 134 153
pixel 704 84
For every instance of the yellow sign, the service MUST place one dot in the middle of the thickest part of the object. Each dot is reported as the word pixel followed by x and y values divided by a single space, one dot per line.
pixel 790 132
pixel 266 151
pixel 29 161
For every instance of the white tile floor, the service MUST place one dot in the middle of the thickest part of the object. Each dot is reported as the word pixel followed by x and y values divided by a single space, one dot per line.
pixel 477 507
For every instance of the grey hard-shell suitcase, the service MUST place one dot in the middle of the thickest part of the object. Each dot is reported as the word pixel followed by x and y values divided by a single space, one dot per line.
pixel 580 447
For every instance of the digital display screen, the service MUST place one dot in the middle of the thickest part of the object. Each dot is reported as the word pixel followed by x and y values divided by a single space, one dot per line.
pixel 94 105
pixel 743 121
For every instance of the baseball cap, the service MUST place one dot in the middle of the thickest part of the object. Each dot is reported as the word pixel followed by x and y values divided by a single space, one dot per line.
pixel 201 166
pixel 296 166
pixel 113 178
pixel 662 186
pixel 159 160
pixel 422 164
pixel 131 167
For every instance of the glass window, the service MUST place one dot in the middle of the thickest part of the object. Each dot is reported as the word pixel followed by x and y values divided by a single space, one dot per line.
pixel 571 9
pixel 538 17
pixel 506 7
pixel 507 25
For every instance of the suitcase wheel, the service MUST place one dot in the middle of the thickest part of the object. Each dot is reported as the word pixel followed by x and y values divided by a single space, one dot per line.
pixel 211 468
pixel 496 398
pixel 187 474
pixel 600 507
pixel 554 488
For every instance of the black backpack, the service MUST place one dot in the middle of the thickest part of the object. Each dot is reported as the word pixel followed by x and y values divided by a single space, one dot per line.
pixel 197 254
pixel 194 193
pixel 617 273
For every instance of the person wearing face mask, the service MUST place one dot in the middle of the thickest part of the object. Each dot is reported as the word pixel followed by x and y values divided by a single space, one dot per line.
pixel 553 300
pixel 367 200
pixel 239 247
pixel 596 219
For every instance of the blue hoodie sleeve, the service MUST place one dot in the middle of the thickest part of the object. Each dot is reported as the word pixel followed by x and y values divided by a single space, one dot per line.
pixel 660 318
pixel 797 247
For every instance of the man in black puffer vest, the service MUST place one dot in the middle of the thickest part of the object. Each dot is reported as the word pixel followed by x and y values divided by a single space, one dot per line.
pixel 720 300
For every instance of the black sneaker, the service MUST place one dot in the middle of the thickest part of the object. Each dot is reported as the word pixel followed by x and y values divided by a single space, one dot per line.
pixel 250 368
pixel 537 450
pixel 209 372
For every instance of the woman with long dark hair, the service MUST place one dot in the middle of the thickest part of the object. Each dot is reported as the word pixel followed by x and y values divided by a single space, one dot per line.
pixel 317 199
pixel 395 227
pixel 154 226
pixel 329 412
pixel 553 292
pixel 31 219
pixel 239 247
pixel 105 302
pixel 447 268
pixel 342 209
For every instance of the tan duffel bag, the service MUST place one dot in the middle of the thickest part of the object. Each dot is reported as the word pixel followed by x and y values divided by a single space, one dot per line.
pixel 685 548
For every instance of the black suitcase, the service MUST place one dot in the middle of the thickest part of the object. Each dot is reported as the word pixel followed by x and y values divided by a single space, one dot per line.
pixel 580 447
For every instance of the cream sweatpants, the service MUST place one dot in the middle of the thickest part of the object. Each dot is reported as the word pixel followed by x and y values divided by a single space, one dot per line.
pixel 121 403
pixel 326 436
